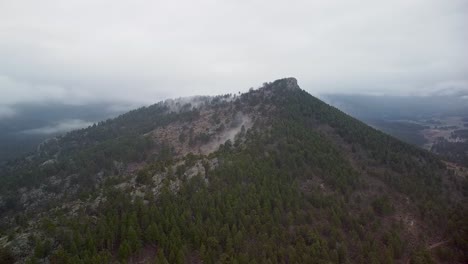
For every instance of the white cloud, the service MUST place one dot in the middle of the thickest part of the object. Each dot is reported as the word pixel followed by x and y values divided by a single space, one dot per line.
pixel 143 50
pixel 60 127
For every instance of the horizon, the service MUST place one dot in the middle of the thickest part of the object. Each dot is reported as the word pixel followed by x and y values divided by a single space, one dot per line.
pixel 83 52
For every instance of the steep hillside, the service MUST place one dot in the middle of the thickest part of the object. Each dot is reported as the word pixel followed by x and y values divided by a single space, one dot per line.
pixel 270 176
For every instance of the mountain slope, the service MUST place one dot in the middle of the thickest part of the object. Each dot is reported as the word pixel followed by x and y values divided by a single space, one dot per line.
pixel 271 176
pixel 436 123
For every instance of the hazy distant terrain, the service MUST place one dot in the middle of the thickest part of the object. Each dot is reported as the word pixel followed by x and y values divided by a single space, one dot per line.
pixel 392 108
pixel 30 124
pixel 436 123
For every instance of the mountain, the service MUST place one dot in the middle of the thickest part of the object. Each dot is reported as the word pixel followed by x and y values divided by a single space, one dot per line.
pixel 273 175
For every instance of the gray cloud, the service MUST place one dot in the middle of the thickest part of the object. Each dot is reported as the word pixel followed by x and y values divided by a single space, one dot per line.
pixel 82 51
pixel 59 127
pixel 6 112
pixel 452 88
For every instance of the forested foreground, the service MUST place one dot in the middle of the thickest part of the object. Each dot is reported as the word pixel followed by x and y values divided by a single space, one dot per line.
pixel 255 209
pixel 307 184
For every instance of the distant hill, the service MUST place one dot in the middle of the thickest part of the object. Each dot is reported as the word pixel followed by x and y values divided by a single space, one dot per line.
pixel 273 175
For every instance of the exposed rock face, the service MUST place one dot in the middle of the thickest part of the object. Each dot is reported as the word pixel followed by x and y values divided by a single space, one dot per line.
pixel 287 83
pixel 195 170
pixel 48 162
pixel 204 135
pixel 159 177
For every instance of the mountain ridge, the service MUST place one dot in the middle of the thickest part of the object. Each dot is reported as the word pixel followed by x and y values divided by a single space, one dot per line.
pixel 310 173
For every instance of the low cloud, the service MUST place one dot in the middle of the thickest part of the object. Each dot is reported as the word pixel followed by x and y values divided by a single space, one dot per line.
pixel 453 88
pixel 59 127
pixel 146 51
pixel 6 112
pixel 15 91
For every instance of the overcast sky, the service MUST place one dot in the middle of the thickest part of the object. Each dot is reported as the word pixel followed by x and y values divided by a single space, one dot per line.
pixel 147 50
